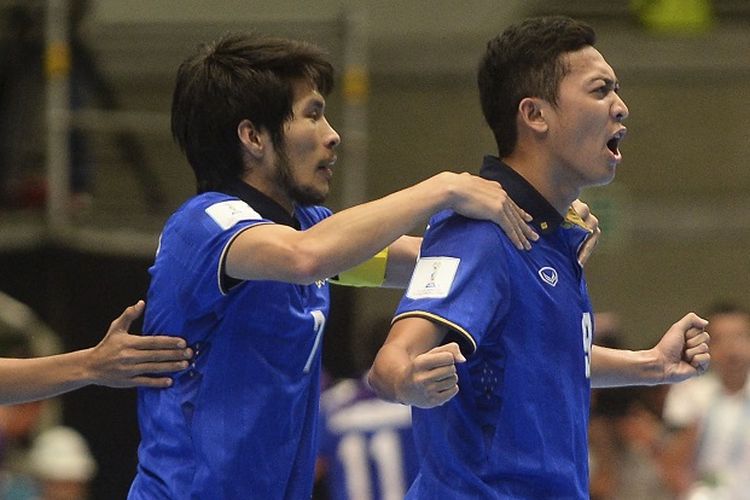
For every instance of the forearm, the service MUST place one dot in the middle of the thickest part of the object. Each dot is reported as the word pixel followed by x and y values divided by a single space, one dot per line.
pixel 23 380
pixel 620 367
pixel 402 256
pixel 353 235
pixel 388 372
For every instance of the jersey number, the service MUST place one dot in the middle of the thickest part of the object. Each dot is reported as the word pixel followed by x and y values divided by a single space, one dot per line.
pixel 319 323
pixel 587 328
pixel 385 451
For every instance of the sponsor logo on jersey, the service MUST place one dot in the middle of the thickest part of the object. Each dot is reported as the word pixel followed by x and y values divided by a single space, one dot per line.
pixel 548 275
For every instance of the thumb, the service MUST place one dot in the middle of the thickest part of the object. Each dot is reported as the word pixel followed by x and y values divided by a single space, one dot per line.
pixel 129 315
pixel 692 321
pixel 452 348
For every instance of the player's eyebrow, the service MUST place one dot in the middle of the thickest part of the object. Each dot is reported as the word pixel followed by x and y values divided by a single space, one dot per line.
pixel 610 83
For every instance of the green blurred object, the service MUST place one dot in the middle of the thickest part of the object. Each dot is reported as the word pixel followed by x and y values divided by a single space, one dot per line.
pixel 675 16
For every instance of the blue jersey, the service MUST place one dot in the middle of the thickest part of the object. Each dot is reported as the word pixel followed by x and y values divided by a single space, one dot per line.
pixel 241 422
pixel 367 444
pixel 518 426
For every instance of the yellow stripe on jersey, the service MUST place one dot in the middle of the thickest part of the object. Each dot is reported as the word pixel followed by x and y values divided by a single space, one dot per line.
pixel 370 273
pixel 472 344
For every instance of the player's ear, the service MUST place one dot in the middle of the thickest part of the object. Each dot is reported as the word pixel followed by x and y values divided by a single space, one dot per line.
pixel 254 141
pixel 532 114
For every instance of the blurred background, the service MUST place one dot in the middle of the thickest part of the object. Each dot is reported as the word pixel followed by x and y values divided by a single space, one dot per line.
pixel 89 173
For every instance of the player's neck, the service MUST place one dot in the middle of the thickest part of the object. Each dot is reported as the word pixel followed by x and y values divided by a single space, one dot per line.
pixel 270 188
pixel 539 172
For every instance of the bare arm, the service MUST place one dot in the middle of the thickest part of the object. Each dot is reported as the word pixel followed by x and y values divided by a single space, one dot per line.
pixel 680 354
pixel 402 256
pixel 119 360
pixel 412 368
pixel 403 252
pixel 354 235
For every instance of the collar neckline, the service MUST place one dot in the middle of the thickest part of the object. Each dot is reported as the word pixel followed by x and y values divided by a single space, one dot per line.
pixel 545 217
pixel 261 203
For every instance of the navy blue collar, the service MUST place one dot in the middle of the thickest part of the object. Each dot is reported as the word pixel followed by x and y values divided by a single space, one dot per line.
pixel 261 203
pixel 546 218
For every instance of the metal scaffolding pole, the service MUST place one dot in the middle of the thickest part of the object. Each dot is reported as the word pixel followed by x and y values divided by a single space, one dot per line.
pixel 57 68
pixel 356 89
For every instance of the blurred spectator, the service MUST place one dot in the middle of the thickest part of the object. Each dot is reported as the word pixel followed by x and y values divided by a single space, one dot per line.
pixel 62 465
pixel 366 445
pixel 711 414
pixel 18 423
pixel 625 433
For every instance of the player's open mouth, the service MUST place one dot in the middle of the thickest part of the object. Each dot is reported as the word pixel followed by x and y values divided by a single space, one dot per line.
pixel 614 143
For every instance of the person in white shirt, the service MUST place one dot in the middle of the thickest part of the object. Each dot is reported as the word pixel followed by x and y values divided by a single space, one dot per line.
pixel 711 414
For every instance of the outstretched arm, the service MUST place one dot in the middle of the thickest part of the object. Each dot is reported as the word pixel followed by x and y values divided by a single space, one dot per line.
pixel 403 252
pixel 411 367
pixel 681 353
pixel 346 239
pixel 119 360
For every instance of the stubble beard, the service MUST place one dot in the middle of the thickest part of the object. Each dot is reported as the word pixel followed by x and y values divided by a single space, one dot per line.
pixel 300 195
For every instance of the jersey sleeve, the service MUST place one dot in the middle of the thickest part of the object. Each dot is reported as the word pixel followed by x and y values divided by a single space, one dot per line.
pixel 193 246
pixel 460 279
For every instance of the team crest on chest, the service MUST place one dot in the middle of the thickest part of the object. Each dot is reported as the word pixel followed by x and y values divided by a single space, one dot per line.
pixel 548 275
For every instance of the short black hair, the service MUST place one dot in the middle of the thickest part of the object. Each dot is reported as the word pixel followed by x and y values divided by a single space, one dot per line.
pixel 238 77
pixel 524 61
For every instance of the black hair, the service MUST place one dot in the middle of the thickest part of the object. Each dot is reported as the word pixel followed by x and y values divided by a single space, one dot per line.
pixel 239 76
pixel 525 61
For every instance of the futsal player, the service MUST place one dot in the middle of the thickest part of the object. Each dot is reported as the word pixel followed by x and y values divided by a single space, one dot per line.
pixel 242 270
pixel 513 330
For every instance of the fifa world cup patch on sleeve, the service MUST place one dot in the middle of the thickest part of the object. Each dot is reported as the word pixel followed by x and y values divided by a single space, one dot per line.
pixel 228 213
pixel 433 277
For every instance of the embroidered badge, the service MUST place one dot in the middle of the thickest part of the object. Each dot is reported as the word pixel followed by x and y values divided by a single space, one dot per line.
pixel 548 275
pixel 228 213
pixel 432 277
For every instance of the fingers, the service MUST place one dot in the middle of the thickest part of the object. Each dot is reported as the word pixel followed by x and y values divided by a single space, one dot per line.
pixel 157 342
pixel 134 356
pixel 446 384
pixel 701 362
pixel 435 378
pixel 695 337
pixel 592 223
pixel 587 249
pixel 581 209
pixel 584 212
pixel 484 199
pixel 155 382
pixel 514 222
pixel 156 367
pixel 697 351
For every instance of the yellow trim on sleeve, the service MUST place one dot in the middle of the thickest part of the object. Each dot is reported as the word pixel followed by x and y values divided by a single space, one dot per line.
pixel 370 273
pixel 439 319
